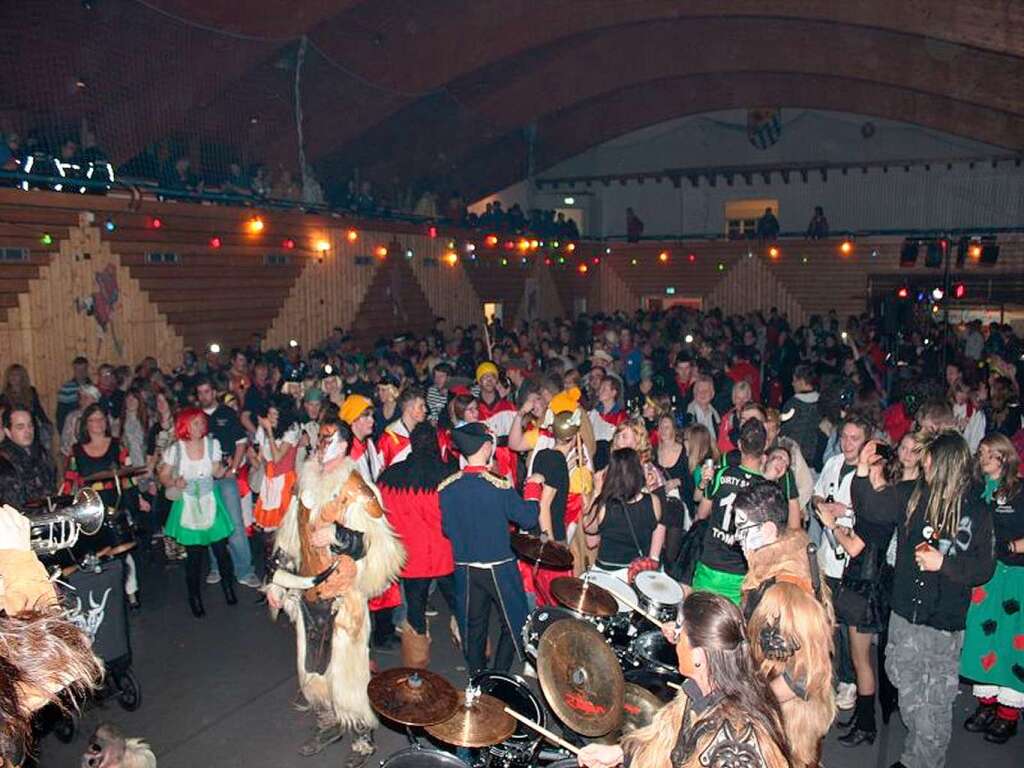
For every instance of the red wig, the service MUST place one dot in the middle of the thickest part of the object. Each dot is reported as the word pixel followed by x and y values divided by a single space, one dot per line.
pixel 184 420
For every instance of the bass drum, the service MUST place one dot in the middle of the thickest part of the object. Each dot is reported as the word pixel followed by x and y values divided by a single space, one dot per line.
pixel 514 691
pixel 422 757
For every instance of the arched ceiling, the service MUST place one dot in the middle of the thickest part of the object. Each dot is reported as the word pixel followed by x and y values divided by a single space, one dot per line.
pixel 444 90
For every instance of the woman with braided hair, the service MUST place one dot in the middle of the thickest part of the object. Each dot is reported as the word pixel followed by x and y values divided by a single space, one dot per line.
pixel 725 713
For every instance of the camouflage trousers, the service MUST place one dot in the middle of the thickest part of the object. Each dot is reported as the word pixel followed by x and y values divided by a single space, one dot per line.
pixel 924 664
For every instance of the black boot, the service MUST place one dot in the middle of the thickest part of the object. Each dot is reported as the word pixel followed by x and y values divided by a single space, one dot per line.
pixel 227 583
pixel 888 695
pixel 195 602
pixel 982 718
pixel 1001 730
pixel 193 563
pixel 864 729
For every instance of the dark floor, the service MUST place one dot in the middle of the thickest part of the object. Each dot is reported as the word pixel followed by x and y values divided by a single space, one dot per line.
pixel 219 692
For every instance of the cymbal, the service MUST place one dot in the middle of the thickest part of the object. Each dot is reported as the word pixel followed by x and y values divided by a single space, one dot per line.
pixel 110 474
pixel 412 696
pixel 581 677
pixel 479 725
pixel 583 597
pixel 549 554
pixel 639 706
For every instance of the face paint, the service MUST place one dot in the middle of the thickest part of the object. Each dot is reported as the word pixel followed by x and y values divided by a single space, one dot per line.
pixel 753 537
pixel 329 443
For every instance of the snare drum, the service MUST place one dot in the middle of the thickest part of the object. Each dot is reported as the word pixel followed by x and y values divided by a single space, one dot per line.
pixel 660 594
pixel 654 653
pixel 615 585
pixel 538 622
pixel 518 750
pixel 422 757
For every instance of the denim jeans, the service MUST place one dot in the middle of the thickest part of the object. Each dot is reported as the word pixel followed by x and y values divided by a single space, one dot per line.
pixel 238 544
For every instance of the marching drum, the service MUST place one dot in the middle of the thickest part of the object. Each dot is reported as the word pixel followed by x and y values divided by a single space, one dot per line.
pixel 518 750
pixel 422 757
pixel 660 594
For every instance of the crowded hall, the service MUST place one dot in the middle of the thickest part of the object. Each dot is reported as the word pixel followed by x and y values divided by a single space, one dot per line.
pixel 511 385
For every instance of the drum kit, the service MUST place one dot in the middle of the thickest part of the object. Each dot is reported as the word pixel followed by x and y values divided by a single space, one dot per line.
pixel 603 666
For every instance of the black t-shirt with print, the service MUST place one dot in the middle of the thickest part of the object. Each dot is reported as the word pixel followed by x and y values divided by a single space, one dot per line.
pixel 226 429
pixel 551 464
pixel 721 552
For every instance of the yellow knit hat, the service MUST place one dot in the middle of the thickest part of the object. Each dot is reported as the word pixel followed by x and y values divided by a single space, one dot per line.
pixel 484 368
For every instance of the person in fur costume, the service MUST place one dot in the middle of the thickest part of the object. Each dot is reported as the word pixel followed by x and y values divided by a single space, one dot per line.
pixel 110 748
pixel 44 658
pixel 334 552
pixel 790 620
pixel 724 714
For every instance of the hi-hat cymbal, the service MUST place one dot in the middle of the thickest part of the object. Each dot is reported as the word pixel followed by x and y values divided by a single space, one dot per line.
pixel 481 724
pixel 549 554
pixel 581 677
pixel 639 706
pixel 412 696
pixel 110 474
pixel 583 597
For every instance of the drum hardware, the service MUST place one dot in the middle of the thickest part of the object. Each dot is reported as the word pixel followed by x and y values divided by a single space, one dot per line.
pixel 478 721
pixel 659 594
pixel 580 677
pixel 583 597
pixel 59 528
pixel 553 738
pixel 520 749
pixel 653 652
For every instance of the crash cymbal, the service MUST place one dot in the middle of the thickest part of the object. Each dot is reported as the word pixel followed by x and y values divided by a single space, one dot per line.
pixel 581 677
pixel 583 597
pixel 639 706
pixel 549 554
pixel 412 696
pixel 110 474
pixel 481 724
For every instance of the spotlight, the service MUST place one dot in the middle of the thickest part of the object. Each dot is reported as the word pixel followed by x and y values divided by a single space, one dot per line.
pixel 959 291
pixel 322 245
pixel 534 245
pixel 451 258
pixel 491 241
pixel 688 338
pixel 155 223
pixel 381 252
pixel 293 343
pixel 523 245
pixel 596 260
pixel 670 290
pixel 569 201
pixel 510 245
pixel 215 242
pixel 46 239
pixel 451 245
pixel 470 247
pixel 774 253
pixel 633 262
pixel 663 257
pixel 608 251
pixel 938 294
pixel 352 235
pixel 692 257
pixel 903 292
pixel 409 254
pixel 554 243
pixel 582 268
pixel 974 251
pixel 504 262
pixel 547 262
pixel 432 231
pixel 255 225
pixel 721 266
pixel 215 348
pixel 846 247
pixel 570 247
pixel 289 244
pixel 109 225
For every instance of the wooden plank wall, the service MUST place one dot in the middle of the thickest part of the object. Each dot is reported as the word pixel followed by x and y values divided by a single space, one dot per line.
pixel 57 317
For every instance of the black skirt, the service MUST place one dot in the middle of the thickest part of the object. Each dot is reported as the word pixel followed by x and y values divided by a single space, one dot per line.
pixel 864 603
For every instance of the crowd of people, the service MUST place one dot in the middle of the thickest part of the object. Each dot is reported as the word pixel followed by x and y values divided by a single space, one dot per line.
pixel 640 442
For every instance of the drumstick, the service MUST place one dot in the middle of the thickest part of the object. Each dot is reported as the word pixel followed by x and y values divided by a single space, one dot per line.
pixel 677 686
pixel 634 607
pixel 542 731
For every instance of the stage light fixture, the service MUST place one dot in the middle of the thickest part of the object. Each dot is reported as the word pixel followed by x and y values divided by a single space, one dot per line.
pixel 255 225
pixel 903 292
pixel 380 252
pixel 570 247
pixel 547 261
pixel 935 253
pixel 451 258
pixel 688 338
pixel 215 242
pixel 692 257
pixel 491 241
pixel 504 262
pixel 959 291
pixel 582 269
pixel 432 232
pixel 409 254
pixel 109 225
pixel 774 253
pixel 721 266
pixel 908 253
pixel 670 290
pixel 323 245
pixel 554 244
pixel 534 245
pixel 293 343
pixel 846 247
pixel 663 257
pixel 215 348
pixel 155 222
pixel 523 245
pixel 974 251
pixel 46 239
pixel 289 244
pixel 352 235
pixel 569 200
pixel 938 294
pixel 470 247
pixel 596 260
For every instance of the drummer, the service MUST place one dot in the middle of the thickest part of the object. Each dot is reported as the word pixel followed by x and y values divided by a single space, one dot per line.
pixel 476 510
pixel 626 527
pixel 725 713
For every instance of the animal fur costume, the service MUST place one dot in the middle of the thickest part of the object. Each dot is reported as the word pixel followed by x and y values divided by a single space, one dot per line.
pixel 41 652
pixel 340 496
pixel 803 625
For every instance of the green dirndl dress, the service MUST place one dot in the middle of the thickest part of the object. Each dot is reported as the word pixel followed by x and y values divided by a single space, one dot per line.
pixel 993 652
pixel 198 517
